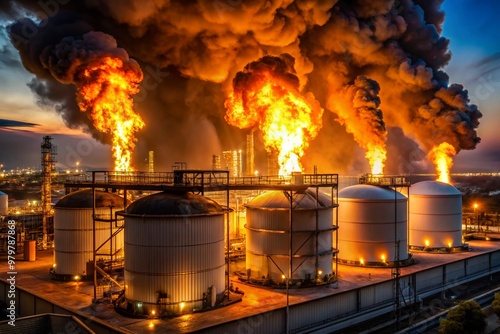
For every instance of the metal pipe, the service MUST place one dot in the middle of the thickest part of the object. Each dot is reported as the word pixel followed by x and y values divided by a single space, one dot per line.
pixel 227 229
pixel 94 239
pixel 290 240
pixel 111 234
pixel 316 264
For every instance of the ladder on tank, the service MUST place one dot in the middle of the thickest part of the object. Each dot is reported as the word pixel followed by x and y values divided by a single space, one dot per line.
pixel 107 285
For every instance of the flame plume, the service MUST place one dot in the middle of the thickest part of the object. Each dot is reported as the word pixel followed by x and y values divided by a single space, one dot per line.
pixel 105 90
pixel 266 98
pixel 357 108
pixel 441 156
pixel 376 155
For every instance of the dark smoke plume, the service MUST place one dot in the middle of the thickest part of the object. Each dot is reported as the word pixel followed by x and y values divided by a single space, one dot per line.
pixel 190 51
pixel 266 95
pixel 357 107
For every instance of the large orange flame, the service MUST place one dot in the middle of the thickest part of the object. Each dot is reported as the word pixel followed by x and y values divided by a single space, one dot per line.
pixel 287 119
pixel 105 90
pixel 376 155
pixel 441 156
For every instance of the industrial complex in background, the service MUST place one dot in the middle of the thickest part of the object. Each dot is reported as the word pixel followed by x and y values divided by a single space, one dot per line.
pixel 227 249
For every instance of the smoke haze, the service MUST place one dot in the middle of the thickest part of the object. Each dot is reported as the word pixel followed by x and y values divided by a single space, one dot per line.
pixel 191 50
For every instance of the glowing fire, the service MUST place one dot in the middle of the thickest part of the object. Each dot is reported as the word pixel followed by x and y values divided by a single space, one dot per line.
pixel 376 156
pixel 287 119
pixel 441 156
pixel 106 91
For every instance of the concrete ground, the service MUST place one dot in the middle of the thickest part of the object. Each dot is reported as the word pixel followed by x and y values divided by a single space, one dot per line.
pixel 34 277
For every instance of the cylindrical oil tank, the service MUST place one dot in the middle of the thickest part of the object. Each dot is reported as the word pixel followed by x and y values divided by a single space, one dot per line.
pixel 73 230
pixel 4 204
pixel 174 254
pixel 435 215
pixel 371 221
pixel 268 236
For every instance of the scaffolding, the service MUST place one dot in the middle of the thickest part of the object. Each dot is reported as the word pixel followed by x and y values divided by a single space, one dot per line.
pixel 200 182
pixel 392 182
pixel 49 152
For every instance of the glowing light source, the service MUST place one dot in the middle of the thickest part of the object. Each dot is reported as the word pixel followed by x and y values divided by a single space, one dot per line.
pixel 272 102
pixel 449 244
pixel 362 262
pixel 282 276
pixel 320 272
pixel 106 90
pixel 182 305
pixel 426 243
pixel 383 258
pixel 153 312
pixel 441 156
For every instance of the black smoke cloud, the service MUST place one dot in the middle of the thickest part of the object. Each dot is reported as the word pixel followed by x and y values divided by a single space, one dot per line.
pixel 203 44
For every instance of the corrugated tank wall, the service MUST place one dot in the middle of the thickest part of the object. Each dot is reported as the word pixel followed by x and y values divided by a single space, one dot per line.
pixel 181 257
pixel 4 204
pixel 371 219
pixel 268 242
pixel 435 215
pixel 73 238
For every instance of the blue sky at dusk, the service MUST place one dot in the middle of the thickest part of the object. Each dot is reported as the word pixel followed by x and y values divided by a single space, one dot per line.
pixel 473 30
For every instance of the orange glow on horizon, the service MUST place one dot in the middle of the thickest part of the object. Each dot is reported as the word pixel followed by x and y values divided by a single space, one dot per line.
pixel 441 156
pixel 287 119
pixel 106 93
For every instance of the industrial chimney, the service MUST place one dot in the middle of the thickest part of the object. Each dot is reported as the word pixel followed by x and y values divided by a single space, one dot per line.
pixel 250 154
pixel 48 161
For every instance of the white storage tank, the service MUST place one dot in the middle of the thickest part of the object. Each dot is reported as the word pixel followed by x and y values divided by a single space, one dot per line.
pixel 371 219
pixel 174 254
pixel 435 216
pixel 268 233
pixel 4 204
pixel 73 231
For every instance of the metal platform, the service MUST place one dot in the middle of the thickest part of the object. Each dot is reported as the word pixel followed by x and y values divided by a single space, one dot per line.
pixel 198 181
pixel 393 181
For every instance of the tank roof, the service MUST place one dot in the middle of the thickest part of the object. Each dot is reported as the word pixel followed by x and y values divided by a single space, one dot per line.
pixel 82 199
pixel 277 200
pixel 433 188
pixel 167 203
pixel 369 192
